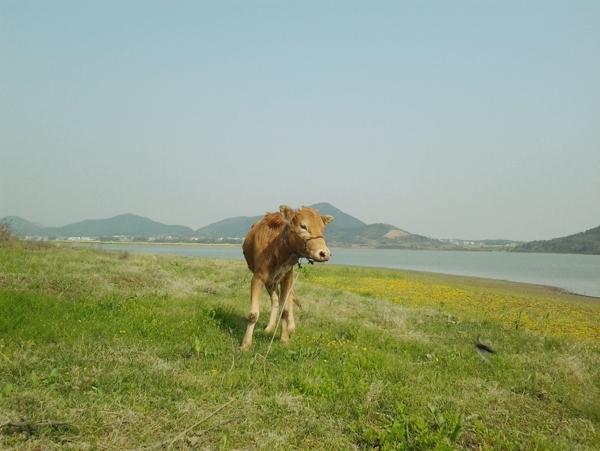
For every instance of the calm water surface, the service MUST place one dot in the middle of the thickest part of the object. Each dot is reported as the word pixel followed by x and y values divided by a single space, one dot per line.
pixel 575 273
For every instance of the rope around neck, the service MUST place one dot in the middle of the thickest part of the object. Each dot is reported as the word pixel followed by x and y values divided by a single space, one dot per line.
pixel 304 241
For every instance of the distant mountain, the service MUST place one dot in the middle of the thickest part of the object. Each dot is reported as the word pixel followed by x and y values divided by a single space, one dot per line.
pixel 228 228
pixel 345 230
pixel 587 242
pixel 127 224
pixel 238 227
pixel 22 226
pixel 341 220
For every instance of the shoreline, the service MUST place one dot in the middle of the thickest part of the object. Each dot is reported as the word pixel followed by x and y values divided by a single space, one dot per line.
pixel 488 249
pixel 131 246
pixel 142 243
pixel 531 289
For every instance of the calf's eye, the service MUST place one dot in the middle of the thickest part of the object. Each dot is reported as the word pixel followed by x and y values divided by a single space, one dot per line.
pixel 303 227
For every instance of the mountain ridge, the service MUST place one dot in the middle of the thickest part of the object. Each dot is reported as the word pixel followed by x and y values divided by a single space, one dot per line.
pixel 346 230
pixel 124 224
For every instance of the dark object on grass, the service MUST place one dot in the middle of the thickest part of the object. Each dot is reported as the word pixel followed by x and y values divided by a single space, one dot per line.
pixel 30 428
pixel 483 349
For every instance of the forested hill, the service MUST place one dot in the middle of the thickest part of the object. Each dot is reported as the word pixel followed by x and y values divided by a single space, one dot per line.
pixel 126 224
pixel 587 242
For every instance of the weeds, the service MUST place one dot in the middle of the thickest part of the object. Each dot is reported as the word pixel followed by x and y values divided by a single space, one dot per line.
pixel 539 314
pixel 7 234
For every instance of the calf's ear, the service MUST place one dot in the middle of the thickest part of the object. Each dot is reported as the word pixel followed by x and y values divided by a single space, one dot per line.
pixel 286 213
pixel 327 219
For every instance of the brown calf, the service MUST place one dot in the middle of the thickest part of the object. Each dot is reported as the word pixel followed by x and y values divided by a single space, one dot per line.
pixel 272 248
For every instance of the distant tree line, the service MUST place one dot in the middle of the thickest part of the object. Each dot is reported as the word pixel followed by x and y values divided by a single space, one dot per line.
pixel 587 242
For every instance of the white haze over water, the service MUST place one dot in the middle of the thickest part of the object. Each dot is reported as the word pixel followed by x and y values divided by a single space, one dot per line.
pixel 473 120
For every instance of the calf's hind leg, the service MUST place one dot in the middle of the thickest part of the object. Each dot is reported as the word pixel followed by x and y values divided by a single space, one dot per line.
pixel 275 311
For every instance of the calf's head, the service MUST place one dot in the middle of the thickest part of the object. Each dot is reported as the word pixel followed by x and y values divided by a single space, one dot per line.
pixel 307 227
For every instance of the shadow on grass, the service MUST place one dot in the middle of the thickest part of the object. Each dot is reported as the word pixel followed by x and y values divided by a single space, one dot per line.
pixel 231 322
pixel 235 325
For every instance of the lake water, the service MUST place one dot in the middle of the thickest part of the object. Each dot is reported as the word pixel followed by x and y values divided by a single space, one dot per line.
pixel 578 274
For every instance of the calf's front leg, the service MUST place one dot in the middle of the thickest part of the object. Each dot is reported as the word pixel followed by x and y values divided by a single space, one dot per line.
pixel 291 323
pixel 256 287
pixel 285 301
pixel 274 308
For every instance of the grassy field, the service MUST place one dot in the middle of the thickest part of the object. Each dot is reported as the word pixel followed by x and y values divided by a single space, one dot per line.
pixel 118 351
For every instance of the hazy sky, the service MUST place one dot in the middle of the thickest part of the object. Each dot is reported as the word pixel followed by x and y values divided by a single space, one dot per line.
pixel 462 119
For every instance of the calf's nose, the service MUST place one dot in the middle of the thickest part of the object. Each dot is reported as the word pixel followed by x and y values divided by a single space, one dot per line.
pixel 324 254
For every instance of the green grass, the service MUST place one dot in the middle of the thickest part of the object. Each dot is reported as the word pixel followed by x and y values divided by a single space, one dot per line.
pixel 138 351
